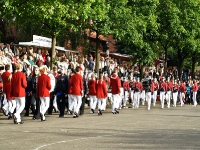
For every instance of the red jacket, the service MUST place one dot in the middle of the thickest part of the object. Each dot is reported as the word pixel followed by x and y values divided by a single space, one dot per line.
pixel 70 86
pixel 163 86
pixel 19 84
pixel 156 86
pixel 43 86
pixel 115 84
pixel 7 85
pixel 169 86
pixel 138 87
pixel 195 87
pixel 182 88
pixel 126 86
pixel 92 87
pixel 152 87
pixel 175 87
pixel 77 84
pixel 101 89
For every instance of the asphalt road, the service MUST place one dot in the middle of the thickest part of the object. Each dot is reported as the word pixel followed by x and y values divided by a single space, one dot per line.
pixel 174 128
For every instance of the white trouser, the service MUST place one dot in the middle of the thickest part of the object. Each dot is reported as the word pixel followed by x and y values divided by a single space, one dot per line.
pixel 181 94
pixel 137 99
pixel 104 104
pixel 110 98
pixel 77 103
pixel 148 99
pixel 175 96
pixel 132 97
pixel 93 102
pixel 155 97
pixel 70 102
pixel 44 104
pixel 5 104
pixel 101 103
pixel 121 97
pixel 143 96
pixel 168 98
pixel 20 104
pixel 12 105
pixel 195 98
pixel 55 105
pixel 126 95
pixel 162 98
pixel 115 104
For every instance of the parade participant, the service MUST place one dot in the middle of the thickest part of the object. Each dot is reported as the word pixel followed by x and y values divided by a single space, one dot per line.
pixel 132 85
pixel 121 92
pixel 35 75
pixel 7 82
pixel 126 92
pixel 77 90
pixel 175 93
pixel 52 93
pixel 61 91
pixel 101 93
pixel 163 89
pixel 70 97
pixel 115 85
pixel 19 81
pixel 28 90
pixel 143 96
pixel 168 92
pixel 137 92
pixel 43 88
pixel 195 89
pixel 92 93
pixel 156 87
pixel 149 91
pixel 182 90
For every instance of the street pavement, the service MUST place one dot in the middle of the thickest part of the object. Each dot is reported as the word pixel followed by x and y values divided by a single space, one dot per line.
pixel 168 128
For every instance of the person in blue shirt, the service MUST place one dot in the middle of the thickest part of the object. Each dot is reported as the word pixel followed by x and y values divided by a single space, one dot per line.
pixel 188 93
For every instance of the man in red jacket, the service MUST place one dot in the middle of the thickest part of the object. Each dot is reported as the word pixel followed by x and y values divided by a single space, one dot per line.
pixel 195 89
pixel 43 88
pixel 175 93
pixel 76 84
pixel 92 93
pixel 115 85
pixel 101 92
pixel 18 91
pixel 168 92
pixel 6 77
pixel 163 89
pixel 182 89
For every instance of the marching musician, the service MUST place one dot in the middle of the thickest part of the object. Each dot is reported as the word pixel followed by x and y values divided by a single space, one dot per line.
pixel 195 89
pixel 155 92
pixel 126 92
pixel 137 92
pixel 182 89
pixel 132 85
pixel 175 92
pixel 168 92
pixel 163 89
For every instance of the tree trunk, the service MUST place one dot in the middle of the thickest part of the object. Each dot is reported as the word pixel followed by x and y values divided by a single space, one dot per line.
pixel 165 64
pixel 180 64
pixel 97 53
pixel 53 45
pixel 193 64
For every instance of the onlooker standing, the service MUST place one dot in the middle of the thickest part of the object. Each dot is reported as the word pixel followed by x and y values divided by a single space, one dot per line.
pixel 18 91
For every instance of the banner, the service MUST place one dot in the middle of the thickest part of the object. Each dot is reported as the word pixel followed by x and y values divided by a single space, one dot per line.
pixel 42 40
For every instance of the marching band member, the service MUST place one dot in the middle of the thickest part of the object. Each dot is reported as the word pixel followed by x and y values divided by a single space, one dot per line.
pixel 168 92
pixel 142 95
pixel 121 93
pixel 137 93
pixel 163 88
pixel 175 93
pixel 101 92
pixel 115 85
pixel 70 97
pixel 19 81
pixel 7 82
pixel 156 87
pixel 182 90
pixel 77 90
pixel 43 88
pixel 126 92
pixel 149 91
pixel 92 93
pixel 132 85
pixel 195 89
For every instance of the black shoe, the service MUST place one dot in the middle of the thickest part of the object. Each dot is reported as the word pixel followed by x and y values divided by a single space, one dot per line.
pixel 19 122
pixel 9 116
pixel 74 116
pixel 99 113
pixel 116 111
pixel 42 117
pixel 4 112
pixel 61 116
pixel 92 111
pixel 14 119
